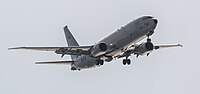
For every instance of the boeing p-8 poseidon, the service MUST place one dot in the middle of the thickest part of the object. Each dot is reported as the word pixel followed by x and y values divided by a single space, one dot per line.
pixel 120 44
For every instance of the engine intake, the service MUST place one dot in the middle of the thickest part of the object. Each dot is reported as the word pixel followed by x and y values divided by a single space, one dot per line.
pixel 102 46
pixel 99 49
pixel 144 48
pixel 149 46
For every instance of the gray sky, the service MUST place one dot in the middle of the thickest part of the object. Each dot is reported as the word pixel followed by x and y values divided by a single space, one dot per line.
pixel 41 22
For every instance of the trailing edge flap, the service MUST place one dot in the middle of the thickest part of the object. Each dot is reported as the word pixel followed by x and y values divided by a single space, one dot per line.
pixel 55 62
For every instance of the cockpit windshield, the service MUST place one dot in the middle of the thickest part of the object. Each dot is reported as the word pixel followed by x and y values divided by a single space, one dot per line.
pixel 147 17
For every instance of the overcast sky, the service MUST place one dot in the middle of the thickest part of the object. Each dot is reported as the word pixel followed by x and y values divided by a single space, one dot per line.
pixel 41 22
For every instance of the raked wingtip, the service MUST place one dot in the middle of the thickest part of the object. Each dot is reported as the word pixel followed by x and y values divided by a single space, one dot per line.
pixel 15 48
pixel 180 45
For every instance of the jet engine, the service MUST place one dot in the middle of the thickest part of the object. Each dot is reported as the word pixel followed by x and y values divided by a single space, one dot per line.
pixel 99 49
pixel 144 48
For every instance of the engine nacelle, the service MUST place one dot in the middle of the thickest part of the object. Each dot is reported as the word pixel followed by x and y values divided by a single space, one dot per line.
pixel 144 48
pixel 99 49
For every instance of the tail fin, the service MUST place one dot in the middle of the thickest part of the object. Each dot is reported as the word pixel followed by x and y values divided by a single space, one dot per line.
pixel 71 41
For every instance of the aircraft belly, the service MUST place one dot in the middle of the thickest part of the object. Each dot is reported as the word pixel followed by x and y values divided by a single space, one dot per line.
pixel 122 41
pixel 85 61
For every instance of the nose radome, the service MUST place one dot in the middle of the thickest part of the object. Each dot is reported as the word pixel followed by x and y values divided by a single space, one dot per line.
pixel 155 21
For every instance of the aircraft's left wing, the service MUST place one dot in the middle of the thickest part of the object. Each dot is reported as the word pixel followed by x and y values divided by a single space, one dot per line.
pixel 167 46
pixel 72 50
pixel 156 47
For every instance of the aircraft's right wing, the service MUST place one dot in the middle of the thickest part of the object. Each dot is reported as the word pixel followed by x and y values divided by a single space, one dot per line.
pixel 37 48
pixel 71 50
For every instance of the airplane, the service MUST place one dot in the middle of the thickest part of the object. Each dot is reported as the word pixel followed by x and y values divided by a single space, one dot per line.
pixel 120 44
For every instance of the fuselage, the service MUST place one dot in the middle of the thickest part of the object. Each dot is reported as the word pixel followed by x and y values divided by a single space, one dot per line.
pixel 120 40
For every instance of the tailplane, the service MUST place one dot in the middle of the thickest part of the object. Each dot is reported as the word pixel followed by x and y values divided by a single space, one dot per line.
pixel 71 41
pixel 55 62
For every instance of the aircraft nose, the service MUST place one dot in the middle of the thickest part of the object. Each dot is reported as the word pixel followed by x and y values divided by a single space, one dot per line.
pixel 155 21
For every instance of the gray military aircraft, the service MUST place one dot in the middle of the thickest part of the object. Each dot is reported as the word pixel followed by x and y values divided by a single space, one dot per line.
pixel 121 43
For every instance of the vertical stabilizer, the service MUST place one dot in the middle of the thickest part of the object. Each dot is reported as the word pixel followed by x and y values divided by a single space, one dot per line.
pixel 71 41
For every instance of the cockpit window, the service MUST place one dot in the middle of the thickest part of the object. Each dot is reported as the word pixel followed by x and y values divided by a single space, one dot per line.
pixel 147 17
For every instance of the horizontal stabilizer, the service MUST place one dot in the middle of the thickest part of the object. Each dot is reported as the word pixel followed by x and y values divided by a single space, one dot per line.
pixel 55 62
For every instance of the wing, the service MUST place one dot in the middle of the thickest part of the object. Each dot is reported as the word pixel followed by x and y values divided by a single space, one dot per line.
pixel 167 46
pixel 133 50
pixel 38 48
pixel 72 50
pixel 55 62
